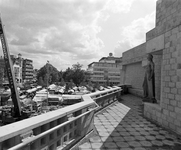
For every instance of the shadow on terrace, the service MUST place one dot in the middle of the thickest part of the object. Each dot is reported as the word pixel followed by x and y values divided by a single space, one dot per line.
pixel 122 126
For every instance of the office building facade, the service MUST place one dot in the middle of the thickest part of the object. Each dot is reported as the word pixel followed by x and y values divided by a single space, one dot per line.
pixel 106 71
pixel 27 70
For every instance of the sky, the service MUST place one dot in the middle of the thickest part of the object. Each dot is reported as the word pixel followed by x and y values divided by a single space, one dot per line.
pixel 65 32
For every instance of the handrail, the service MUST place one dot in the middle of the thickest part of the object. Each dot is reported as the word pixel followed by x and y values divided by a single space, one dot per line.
pixel 104 91
pixel 21 145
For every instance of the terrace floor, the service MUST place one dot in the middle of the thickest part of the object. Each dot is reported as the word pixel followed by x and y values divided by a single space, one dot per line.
pixel 122 126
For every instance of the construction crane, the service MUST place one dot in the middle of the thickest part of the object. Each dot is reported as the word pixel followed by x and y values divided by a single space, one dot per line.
pixel 16 112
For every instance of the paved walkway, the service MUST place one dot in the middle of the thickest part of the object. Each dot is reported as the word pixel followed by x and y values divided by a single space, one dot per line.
pixel 123 127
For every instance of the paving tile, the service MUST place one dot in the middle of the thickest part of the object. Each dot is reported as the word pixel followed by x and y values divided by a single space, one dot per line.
pixel 146 143
pixel 129 138
pixel 160 137
pixel 167 142
pixel 131 129
pixel 96 145
pixel 139 148
pixel 102 129
pixel 105 134
pixel 157 143
pixel 144 133
pixel 110 145
pixel 85 148
pixel 120 129
pixel 115 134
pixel 117 139
pixel 85 145
pixel 134 144
pixel 134 133
pixel 107 139
pixel 153 133
pixel 122 144
pixel 140 138
pixel 124 133
pixel 149 137
pixel 95 139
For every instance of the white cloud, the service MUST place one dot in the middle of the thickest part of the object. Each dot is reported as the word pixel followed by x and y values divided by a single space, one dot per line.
pixel 119 6
pixel 135 33
pixel 66 28
pixel 63 31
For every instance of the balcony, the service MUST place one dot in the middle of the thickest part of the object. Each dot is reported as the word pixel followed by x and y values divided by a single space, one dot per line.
pixel 59 129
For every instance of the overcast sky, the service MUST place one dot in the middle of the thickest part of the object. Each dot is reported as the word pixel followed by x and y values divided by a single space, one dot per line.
pixel 69 31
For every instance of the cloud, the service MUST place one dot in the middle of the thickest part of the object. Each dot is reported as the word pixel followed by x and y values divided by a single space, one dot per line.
pixel 63 31
pixel 67 28
pixel 119 6
pixel 135 33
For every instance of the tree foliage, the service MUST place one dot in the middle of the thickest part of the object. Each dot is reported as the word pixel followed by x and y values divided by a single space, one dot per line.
pixel 48 74
pixel 40 81
pixel 75 74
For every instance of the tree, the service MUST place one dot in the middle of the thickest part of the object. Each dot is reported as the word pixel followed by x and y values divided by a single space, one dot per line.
pixel 68 75
pixel 49 74
pixel 40 81
pixel 78 75
pixel 75 74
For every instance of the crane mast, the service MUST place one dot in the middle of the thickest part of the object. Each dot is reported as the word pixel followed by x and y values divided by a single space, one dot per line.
pixel 10 74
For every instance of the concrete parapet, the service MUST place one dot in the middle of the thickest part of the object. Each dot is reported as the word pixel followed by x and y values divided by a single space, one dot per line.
pixel 137 92
pixel 134 55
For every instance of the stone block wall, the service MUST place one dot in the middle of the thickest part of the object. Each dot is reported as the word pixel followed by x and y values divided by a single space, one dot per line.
pixel 168 16
pixel 157 59
pixel 171 91
pixel 168 24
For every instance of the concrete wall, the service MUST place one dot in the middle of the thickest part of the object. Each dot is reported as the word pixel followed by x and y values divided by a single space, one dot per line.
pixel 134 75
pixel 134 55
pixel 168 25
pixel 132 70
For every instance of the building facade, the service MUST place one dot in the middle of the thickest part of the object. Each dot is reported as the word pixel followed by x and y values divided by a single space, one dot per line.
pixel 23 69
pixel 106 71
pixel 27 70
pixel 17 67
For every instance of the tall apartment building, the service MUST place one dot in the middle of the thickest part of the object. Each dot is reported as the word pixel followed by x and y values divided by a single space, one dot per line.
pixel 17 67
pixel 27 70
pixel 106 71
pixel 23 69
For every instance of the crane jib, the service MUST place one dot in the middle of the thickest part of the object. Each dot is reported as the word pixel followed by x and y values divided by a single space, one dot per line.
pixel 11 77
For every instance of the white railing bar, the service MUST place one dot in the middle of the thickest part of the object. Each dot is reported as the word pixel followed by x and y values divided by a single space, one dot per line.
pixel 48 131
